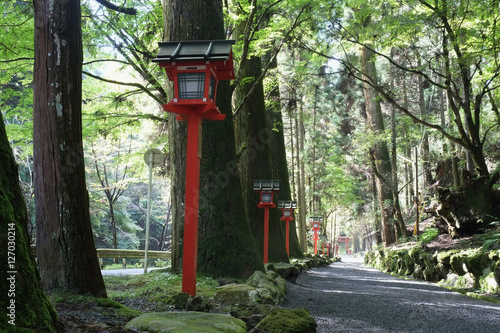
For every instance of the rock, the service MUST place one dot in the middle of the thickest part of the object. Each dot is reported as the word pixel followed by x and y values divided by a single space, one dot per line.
pixel 490 285
pixel 475 263
pixel 496 272
pixel 233 294
pixel 287 321
pixel 287 271
pixel 457 264
pixel 186 322
pixel 197 304
pixel 453 280
pixel 252 315
pixel 186 302
pixel 178 301
pixel 270 290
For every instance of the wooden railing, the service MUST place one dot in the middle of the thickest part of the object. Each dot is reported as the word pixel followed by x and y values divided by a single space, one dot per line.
pixel 129 254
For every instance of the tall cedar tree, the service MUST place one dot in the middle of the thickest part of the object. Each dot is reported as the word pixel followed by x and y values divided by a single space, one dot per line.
pixel 226 247
pixel 379 153
pixel 253 140
pixel 64 241
pixel 280 167
pixel 30 308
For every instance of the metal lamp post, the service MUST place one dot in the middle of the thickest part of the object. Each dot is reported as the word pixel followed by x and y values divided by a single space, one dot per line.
pixel 153 158
pixel 316 224
pixel 195 67
pixel 266 188
pixel 287 207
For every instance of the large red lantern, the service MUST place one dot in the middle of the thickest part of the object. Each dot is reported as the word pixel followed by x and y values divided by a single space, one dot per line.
pixel 195 67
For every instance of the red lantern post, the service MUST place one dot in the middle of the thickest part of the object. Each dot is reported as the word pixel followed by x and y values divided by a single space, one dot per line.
pixel 195 67
pixel 315 224
pixel 287 207
pixel 266 188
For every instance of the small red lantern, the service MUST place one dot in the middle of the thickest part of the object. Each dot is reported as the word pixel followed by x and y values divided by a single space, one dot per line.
pixel 266 188
pixel 287 208
pixel 315 222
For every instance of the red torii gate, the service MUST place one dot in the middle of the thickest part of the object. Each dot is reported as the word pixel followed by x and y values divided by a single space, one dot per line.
pixel 346 240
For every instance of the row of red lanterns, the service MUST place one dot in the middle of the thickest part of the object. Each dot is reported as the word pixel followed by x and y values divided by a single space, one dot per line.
pixel 266 189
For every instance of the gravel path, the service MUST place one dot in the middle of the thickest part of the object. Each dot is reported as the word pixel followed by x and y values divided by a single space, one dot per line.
pixel 349 297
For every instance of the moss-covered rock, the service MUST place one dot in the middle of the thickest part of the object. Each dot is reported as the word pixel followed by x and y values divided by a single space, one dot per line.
pixel 475 263
pixel 457 264
pixel 186 322
pixel 270 288
pixel 235 293
pixel 287 321
pixel 453 280
pixel 253 314
pixel 489 284
pixel 418 272
pixel 496 272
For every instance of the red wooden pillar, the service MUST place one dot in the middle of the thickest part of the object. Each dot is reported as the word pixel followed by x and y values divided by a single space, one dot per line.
pixel 190 243
pixel 266 235
pixel 288 238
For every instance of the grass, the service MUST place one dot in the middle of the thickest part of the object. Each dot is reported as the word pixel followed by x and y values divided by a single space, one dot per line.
pixel 155 284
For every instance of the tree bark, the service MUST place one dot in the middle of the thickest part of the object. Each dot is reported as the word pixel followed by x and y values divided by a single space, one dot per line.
pixel 253 140
pixel 21 290
pixel 280 167
pixel 65 244
pixel 299 121
pixel 379 152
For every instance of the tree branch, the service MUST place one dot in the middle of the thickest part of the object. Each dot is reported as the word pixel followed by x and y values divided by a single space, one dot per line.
pixel 128 84
pixel 128 11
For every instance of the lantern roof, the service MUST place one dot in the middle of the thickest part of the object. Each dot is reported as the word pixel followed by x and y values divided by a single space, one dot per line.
pixel 266 185
pixel 195 50
pixel 287 204
pixel 216 52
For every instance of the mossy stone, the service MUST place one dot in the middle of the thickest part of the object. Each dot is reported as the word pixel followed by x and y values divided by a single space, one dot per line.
pixel 287 321
pixel 457 264
pixel 271 290
pixel 287 271
pixel 186 322
pixel 496 272
pixel 236 294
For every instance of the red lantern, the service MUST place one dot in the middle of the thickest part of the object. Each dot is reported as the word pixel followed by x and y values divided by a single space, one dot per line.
pixel 195 67
pixel 287 208
pixel 266 188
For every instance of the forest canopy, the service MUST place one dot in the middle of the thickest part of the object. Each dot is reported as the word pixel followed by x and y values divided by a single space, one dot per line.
pixel 387 110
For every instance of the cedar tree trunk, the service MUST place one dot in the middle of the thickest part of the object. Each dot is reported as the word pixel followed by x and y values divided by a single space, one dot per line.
pixel 65 244
pixel 226 247
pixel 23 301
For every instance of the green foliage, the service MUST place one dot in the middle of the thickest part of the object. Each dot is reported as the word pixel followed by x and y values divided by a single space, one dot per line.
pixel 429 235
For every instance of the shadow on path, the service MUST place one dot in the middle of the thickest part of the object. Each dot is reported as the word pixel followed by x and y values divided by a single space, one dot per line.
pixel 348 297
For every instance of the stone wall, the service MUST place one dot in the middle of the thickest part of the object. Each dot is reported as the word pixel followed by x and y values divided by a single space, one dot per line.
pixel 474 269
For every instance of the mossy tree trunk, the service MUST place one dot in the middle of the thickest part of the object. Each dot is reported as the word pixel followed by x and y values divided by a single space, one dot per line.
pixel 253 139
pixel 64 240
pixel 379 153
pixel 23 300
pixel 226 246
pixel 280 167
